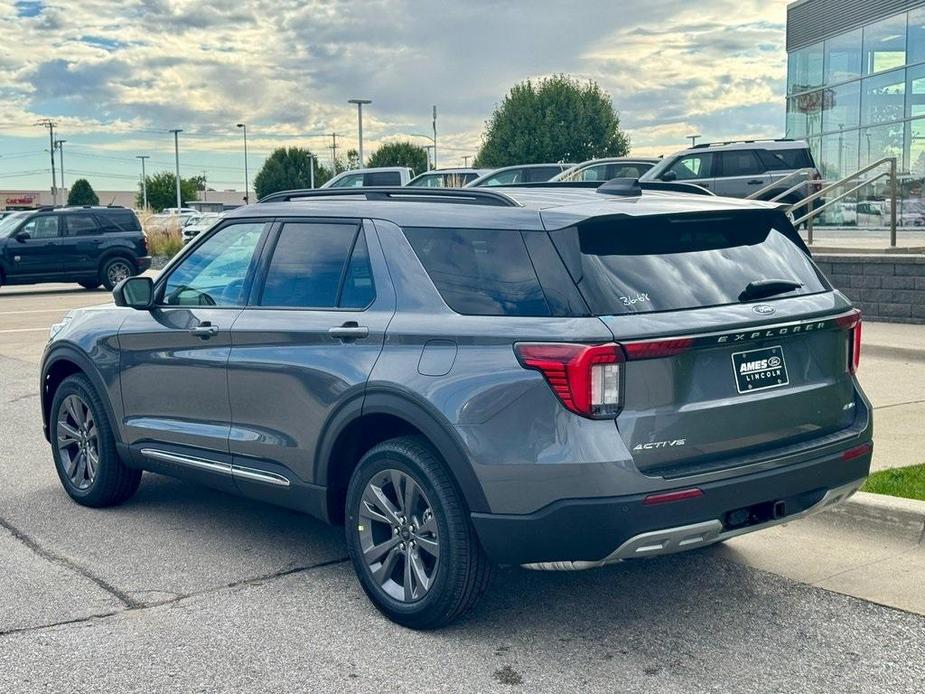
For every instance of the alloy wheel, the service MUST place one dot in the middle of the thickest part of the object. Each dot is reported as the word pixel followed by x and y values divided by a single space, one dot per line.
pixel 78 441
pixel 117 272
pixel 398 535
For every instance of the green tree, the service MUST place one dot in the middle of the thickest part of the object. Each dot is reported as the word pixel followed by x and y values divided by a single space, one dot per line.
pixel 81 193
pixel 400 154
pixel 287 169
pixel 162 190
pixel 557 118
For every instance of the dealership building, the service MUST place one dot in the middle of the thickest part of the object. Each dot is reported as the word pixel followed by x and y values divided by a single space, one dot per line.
pixel 856 92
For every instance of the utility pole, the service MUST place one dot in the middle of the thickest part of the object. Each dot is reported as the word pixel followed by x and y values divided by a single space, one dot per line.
pixel 176 153
pixel 144 181
pixel 359 103
pixel 435 136
pixel 311 170
pixel 333 153
pixel 243 127
pixel 50 124
pixel 205 186
pixel 60 145
pixel 466 161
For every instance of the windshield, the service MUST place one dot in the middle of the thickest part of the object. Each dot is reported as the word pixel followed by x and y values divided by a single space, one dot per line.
pixel 9 223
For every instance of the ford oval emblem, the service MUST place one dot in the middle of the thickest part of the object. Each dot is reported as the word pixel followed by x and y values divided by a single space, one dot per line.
pixel 763 309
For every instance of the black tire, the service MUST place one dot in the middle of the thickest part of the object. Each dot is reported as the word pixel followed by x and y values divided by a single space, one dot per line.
pixel 462 571
pixel 115 270
pixel 89 285
pixel 112 482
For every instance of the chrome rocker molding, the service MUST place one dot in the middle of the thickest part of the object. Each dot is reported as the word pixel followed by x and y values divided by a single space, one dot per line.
pixel 685 537
pixel 237 471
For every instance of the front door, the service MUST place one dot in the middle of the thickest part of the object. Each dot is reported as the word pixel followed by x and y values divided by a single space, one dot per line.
pixel 696 168
pixel 174 356
pixel 39 255
pixel 306 346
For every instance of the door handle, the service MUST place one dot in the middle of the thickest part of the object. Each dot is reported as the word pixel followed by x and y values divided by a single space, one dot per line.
pixel 755 182
pixel 349 331
pixel 205 330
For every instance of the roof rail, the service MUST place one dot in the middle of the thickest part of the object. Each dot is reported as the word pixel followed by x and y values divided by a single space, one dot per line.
pixel 672 186
pixel 469 196
pixel 743 142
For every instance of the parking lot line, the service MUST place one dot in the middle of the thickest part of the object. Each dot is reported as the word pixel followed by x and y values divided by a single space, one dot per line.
pixel 24 330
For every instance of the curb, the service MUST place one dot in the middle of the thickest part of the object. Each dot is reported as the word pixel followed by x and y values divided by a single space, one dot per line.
pixel 898 518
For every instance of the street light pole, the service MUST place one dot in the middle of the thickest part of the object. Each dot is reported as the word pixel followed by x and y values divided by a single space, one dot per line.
pixel 176 154
pixel 144 181
pixel 359 103
pixel 435 136
pixel 693 139
pixel 243 127
pixel 60 145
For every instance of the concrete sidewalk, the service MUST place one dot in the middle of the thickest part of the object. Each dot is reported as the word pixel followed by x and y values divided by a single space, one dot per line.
pixel 892 373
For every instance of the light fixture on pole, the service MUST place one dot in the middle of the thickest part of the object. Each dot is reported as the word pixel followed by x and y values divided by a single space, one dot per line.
pixel 176 154
pixel 693 139
pixel 144 181
pixel 435 137
pixel 243 127
pixel 359 103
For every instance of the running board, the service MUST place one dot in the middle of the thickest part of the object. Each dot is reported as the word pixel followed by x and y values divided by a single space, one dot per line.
pixel 234 471
pixel 685 537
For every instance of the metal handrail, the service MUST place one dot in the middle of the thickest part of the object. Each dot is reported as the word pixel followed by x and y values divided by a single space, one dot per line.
pixel 773 185
pixel 814 211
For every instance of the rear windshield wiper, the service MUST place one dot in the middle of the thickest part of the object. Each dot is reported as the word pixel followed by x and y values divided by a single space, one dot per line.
pixel 761 289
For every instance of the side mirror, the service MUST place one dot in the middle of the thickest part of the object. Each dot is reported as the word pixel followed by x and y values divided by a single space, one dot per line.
pixel 669 176
pixel 134 292
pixel 22 236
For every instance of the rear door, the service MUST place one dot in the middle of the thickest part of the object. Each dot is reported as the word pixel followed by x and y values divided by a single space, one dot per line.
pixel 305 345
pixel 80 246
pixel 739 173
pixel 710 378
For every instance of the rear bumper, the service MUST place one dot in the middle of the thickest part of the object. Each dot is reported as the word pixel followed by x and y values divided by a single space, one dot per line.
pixel 143 262
pixel 580 533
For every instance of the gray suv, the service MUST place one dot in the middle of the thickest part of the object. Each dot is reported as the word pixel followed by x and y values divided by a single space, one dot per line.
pixel 739 169
pixel 559 378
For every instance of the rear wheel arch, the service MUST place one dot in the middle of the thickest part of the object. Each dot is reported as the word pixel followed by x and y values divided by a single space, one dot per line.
pixel 382 416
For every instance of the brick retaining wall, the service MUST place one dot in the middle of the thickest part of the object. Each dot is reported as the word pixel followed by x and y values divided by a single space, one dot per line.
pixel 885 287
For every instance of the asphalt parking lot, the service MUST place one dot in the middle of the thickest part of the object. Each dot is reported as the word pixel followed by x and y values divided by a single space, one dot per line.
pixel 186 589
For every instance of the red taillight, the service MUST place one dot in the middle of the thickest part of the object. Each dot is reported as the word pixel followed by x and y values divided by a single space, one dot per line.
pixel 857 451
pixel 668 497
pixel 653 349
pixel 585 377
pixel 852 323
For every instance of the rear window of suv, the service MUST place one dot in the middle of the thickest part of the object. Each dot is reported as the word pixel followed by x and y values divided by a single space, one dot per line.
pixel 787 159
pixel 673 263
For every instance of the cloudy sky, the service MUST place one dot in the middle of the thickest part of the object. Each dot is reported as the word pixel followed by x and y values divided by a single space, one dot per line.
pixel 116 76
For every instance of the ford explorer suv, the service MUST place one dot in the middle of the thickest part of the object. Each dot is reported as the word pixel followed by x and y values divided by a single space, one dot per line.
pixel 87 245
pixel 554 378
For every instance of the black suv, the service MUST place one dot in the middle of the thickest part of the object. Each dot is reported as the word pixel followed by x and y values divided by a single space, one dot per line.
pixel 550 376
pixel 87 245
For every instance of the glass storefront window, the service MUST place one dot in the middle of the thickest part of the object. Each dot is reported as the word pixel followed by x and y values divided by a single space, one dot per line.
pixel 915 41
pixel 843 57
pixel 883 98
pixel 882 141
pixel 915 147
pixel 841 107
pixel 839 156
pixel 804 114
pixel 885 44
pixel 804 69
pixel 915 91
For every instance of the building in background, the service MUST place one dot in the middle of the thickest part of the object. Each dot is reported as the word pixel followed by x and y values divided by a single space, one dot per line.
pixel 856 92
pixel 32 199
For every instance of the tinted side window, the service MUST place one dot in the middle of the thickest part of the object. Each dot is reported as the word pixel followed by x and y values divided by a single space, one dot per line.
pixel 382 178
pixel 82 225
pixel 742 162
pixel 480 271
pixel 358 290
pixel 352 181
pixel 217 271
pixel 307 265
pixel 42 227
pixel 119 220
pixel 540 173
pixel 787 159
